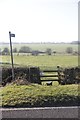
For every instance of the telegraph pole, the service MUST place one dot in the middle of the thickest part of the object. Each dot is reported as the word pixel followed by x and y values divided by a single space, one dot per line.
pixel 10 35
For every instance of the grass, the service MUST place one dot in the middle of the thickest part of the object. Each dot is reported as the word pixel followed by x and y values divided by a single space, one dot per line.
pixel 40 95
pixel 42 61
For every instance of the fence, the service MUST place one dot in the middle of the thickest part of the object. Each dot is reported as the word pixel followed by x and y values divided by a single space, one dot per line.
pixel 49 75
pixel 66 76
pixel 35 75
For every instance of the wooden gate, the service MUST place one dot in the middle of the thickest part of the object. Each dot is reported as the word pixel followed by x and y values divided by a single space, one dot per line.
pixel 38 76
pixel 50 75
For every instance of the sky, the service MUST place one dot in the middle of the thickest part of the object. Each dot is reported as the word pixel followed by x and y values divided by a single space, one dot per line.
pixel 39 20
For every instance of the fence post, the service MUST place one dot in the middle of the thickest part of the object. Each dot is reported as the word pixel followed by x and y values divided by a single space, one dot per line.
pixel 34 75
pixel 58 67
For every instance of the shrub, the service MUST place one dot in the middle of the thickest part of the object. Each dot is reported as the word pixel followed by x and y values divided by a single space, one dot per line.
pixel 70 76
pixel 19 72
pixel 48 51
pixel 5 51
pixel 69 50
pixel 25 49
pixel 15 50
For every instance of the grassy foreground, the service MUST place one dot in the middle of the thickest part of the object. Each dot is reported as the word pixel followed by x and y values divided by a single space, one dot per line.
pixel 34 95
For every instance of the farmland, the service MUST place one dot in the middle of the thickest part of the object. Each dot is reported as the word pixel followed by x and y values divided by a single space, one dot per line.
pixel 41 95
pixel 42 61
pixel 60 58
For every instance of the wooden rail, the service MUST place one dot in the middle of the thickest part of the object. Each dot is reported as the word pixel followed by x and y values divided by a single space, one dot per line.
pixel 51 70
pixel 48 75
pixel 49 80
pixel 37 76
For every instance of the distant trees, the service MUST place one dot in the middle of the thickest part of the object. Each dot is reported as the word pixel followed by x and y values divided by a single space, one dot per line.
pixel 25 49
pixel 5 51
pixel 54 52
pixel 48 51
pixel 15 50
pixel 69 50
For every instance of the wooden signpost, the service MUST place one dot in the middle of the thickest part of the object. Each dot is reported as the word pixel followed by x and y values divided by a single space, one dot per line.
pixel 11 35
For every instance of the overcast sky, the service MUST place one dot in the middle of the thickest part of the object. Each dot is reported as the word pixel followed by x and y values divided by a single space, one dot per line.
pixel 39 20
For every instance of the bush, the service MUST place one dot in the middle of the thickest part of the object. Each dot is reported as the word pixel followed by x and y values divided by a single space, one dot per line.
pixel 15 50
pixel 54 52
pixel 70 76
pixel 25 49
pixel 5 51
pixel 19 72
pixel 40 96
pixel 69 50
pixel 66 76
pixel 48 51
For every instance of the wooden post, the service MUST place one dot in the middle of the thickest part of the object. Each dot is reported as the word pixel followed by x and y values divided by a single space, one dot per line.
pixel 11 57
pixel 58 67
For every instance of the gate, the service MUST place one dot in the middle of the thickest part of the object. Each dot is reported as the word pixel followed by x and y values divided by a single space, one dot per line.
pixel 50 75
pixel 38 76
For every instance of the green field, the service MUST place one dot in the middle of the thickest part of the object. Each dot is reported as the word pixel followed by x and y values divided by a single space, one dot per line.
pixel 42 61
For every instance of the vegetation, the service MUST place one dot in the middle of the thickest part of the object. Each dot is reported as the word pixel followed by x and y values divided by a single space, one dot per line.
pixel 41 95
pixel 42 48
pixel 59 47
pixel 48 51
pixel 5 51
pixel 69 50
pixel 25 49
pixel 38 95
pixel 44 62
pixel 33 75
pixel 14 50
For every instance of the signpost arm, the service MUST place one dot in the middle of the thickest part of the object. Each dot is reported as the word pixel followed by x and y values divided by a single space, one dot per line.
pixel 11 56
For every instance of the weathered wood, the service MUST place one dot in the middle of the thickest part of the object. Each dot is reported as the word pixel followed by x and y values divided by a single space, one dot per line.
pixel 51 70
pixel 49 80
pixel 48 75
pixel 34 75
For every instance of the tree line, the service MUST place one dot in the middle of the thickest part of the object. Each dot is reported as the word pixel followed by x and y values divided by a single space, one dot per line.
pixel 26 49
